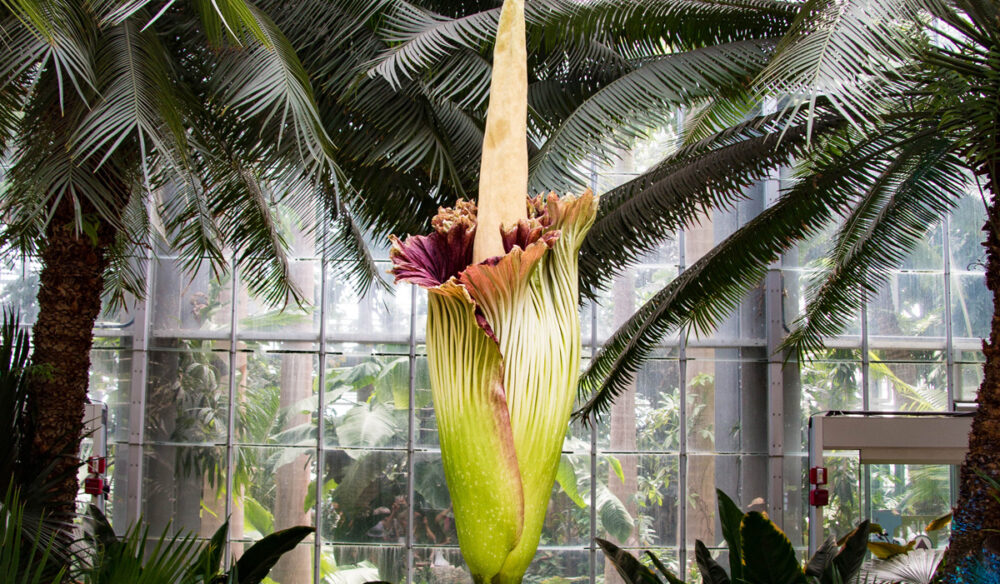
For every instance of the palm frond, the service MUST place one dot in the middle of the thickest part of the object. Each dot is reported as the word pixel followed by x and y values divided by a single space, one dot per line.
pixel 126 272
pixel 352 261
pixel 247 223
pixel 636 216
pixel 843 51
pixel 138 107
pixel 44 173
pixel 267 87
pixel 628 107
pixel 419 39
pixel 231 21
pixel 904 196
pixel 63 36
pixel 716 114
pixel 728 271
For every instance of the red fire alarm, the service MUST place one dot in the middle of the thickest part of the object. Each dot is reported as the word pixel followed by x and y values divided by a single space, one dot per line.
pixel 817 475
pixel 97 465
pixel 93 485
pixel 819 497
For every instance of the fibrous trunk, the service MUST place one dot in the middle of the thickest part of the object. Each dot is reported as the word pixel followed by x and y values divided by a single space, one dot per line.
pixel 69 300
pixel 976 517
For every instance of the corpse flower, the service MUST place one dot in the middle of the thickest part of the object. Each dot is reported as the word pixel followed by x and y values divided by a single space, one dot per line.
pixel 503 334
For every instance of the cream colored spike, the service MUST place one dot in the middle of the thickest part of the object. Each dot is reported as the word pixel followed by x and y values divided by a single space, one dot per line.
pixel 503 180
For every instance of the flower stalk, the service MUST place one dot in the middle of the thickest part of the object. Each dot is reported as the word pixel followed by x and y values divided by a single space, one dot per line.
pixel 503 332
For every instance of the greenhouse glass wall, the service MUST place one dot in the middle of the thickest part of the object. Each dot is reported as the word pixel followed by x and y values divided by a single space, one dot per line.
pixel 321 415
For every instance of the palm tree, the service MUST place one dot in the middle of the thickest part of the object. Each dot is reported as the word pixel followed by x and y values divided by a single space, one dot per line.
pixel 892 110
pixel 402 86
pixel 101 104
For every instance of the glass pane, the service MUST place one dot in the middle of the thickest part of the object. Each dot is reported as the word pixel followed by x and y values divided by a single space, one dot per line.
pixel 184 489
pixel 909 305
pixel 189 305
pixel 555 565
pixel 351 564
pixel 701 501
pixel 831 380
pixel 295 566
pixel 929 252
pixel 111 384
pixel 907 497
pixel 273 489
pixel 276 397
pixel 646 417
pixel 966 234
pixel 968 378
pixel 365 496
pixel 844 483
pixel 366 400
pixel 19 287
pixel 971 308
pixel 379 316
pixel 187 393
pixel 911 381
pixel 292 321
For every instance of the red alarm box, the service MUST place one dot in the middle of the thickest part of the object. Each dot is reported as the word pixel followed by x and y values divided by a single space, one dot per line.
pixel 819 497
pixel 817 475
pixel 93 485
pixel 97 465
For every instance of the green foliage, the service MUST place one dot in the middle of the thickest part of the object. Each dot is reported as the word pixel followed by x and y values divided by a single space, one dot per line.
pixel 179 559
pixel 25 559
pixel 759 554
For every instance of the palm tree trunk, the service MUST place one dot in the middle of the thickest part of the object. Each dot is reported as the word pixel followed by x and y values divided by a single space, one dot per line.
pixel 69 300
pixel 977 509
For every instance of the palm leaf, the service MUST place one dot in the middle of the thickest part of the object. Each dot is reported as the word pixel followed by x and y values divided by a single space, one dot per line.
pixel 266 84
pixel 420 38
pixel 843 51
pixel 636 216
pixel 63 35
pixel 899 205
pixel 625 109
pixel 729 270
pixel 352 261
pixel 138 106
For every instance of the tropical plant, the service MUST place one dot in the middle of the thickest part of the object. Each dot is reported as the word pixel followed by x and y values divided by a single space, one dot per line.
pixel 102 104
pixel 26 558
pixel 180 559
pixel 758 553
pixel 503 335
pixel 891 110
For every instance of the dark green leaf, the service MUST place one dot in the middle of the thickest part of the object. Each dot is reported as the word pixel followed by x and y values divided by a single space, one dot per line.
pixel 630 568
pixel 257 561
pixel 768 556
pixel 711 571
pixel 731 518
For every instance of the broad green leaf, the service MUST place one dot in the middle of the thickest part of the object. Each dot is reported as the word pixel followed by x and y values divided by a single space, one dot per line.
pixel 731 518
pixel 566 477
pixel 768 556
pixel 630 568
pixel 711 571
pixel 255 563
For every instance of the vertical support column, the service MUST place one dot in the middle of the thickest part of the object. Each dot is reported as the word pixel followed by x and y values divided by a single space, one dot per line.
pixel 592 546
pixel 775 396
pixel 231 413
pixel 320 408
pixel 775 327
pixel 816 534
pixel 137 400
pixel 682 418
pixel 411 435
